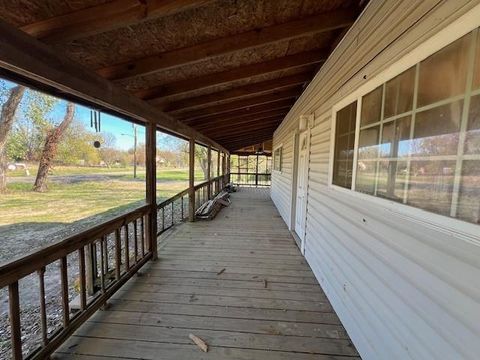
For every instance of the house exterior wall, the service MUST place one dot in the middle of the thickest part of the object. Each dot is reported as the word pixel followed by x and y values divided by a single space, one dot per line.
pixel 404 288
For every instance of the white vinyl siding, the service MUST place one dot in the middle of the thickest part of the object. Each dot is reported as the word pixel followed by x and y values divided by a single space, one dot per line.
pixel 403 288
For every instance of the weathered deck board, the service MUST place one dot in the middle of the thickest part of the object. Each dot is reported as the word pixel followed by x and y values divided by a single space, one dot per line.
pixel 182 293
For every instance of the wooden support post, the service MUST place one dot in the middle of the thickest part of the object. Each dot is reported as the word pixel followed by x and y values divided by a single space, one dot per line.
pixel 209 170
pixel 191 181
pixel 218 163
pixel 151 154
pixel 15 325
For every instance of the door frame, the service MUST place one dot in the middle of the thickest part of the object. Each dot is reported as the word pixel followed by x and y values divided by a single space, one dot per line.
pixel 306 123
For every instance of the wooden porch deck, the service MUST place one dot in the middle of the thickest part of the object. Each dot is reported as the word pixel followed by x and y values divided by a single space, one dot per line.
pixel 266 304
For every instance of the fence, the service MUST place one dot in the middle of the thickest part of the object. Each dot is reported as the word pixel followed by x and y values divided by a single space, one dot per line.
pixel 251 179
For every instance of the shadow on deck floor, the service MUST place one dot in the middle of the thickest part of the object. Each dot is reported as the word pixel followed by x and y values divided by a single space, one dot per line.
pixel 238 282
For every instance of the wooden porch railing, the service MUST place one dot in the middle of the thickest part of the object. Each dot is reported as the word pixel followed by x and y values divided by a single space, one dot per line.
pixel 119 248
pixel 105 257
pixel 251 179
pixel 216 184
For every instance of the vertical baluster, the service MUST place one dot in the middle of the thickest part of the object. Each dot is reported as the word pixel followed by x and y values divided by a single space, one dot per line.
pixel 105 254
pixel 182 208
pixel 163 218
pixel 83 282
pixel 142 231
pixel 118 254
pixel 64 283
pixel 127 254
pixel 103 262
pixel 16 332
pixel 135 239
pixel 172 212
pixel 43 309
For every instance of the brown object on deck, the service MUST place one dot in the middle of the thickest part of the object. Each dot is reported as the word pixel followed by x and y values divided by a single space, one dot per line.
pixel 199 342
pixel 221 271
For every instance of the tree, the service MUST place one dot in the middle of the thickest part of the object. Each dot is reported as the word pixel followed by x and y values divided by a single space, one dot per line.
pixel 7 118
pixel 50 148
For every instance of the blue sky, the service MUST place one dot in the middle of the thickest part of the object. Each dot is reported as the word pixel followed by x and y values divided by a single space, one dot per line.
pixel 121 129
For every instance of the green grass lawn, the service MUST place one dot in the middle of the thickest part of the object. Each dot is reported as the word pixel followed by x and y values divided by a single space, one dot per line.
pixel 69 201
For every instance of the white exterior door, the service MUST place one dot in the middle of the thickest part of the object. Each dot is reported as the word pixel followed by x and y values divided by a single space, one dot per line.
pixel 301 193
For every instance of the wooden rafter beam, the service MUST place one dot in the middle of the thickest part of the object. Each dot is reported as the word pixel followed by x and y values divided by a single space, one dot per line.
pixel 243 113
pixel 229 122
pixel 314 24
pixel 303 59
pixel 239 92
pixel 105 17
pixel 240 104
pixel 248 141
pixel 27 58
pixel 219 130
pixel 240 133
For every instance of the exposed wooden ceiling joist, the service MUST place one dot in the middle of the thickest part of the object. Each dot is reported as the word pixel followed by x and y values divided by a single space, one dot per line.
pixel 284 63
pixel 240 104
pixel 105 17
pixel 229 122
pixel 243 113
pixel 239 92
pixel 246 132
pixel 314 24
pixel 247 140
pixel 252 124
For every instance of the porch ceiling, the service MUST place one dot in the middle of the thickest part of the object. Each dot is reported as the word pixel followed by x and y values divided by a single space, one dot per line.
pixel 229 69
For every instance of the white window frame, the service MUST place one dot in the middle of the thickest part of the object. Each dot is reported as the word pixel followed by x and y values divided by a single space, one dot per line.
pixel 279 146
pixel 460 27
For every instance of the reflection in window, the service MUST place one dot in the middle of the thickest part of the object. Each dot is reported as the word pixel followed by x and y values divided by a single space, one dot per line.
pixel 444 74
pixel 431 184
pixel 371 107
pixel 365 179
pixel 344 144
pixel 476 75
pixel 391 179
pixel 396 138
pixel 277 159
pixel 468 203
pixel 424 153
pixel 437 130
pixel 472 141
pixel 368 143
pixel 399 93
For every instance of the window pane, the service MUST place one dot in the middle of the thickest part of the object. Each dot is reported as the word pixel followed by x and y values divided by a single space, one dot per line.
pixel 395 138
pixel 399 93
pixel 344 143
pixel 430 185
pixel 444 74
pixel 476 75
pixel 391 179
pixel 365 181
pixel 371 107
pixel 368 143
pixel 469 198
pixel 436 130
pixel 472 140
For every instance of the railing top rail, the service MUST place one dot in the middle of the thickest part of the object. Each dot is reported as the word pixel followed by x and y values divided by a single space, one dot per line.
pixel 21 267
pixel 172 199
pixel 205 183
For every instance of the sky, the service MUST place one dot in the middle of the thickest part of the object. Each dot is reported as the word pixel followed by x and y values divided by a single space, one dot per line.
pixel 121 129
